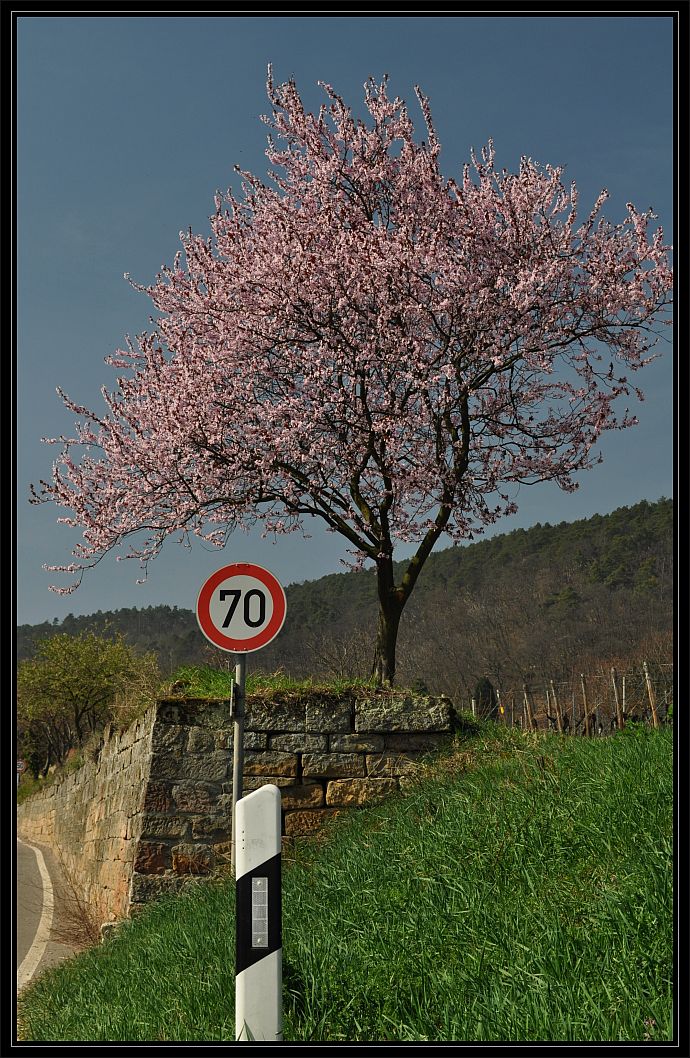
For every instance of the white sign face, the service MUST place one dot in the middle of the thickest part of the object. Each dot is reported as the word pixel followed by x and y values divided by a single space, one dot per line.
pixel 241 607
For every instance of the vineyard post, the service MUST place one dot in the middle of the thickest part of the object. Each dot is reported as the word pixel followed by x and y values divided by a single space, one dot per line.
pixel 619 710
pixel 650 692
pixel 584 700
pixel 528 708
pixel 559 715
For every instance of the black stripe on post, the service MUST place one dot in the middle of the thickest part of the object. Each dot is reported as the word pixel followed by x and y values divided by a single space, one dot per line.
pixel 245 954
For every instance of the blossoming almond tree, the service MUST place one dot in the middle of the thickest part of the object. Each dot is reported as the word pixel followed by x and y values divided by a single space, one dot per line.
pixel 366 342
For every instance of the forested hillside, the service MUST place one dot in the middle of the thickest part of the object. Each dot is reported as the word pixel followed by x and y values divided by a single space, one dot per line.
pixel 543 600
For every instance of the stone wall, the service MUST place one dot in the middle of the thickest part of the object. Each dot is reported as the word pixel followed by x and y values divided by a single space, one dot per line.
pixel 155 808
pixel 93 818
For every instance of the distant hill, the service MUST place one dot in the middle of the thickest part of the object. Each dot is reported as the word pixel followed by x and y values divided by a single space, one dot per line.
pixel 552 593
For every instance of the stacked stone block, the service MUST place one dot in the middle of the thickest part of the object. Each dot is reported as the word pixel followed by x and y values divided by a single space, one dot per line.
pixel 327 754
pixel 188 801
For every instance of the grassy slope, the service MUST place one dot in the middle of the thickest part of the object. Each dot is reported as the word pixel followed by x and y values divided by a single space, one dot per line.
pixel 521 891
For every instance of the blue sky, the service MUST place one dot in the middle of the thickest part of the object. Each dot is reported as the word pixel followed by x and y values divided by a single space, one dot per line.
pixel 127 125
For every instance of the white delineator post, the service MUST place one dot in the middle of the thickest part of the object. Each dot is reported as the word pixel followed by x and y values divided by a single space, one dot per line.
pixel 259 954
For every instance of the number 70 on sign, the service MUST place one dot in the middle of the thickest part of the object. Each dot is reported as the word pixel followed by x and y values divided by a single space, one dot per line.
pixel 241 607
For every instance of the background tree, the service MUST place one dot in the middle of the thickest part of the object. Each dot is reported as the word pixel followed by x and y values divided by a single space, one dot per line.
pixel 369 343
pixel 72 687
pixel 44 736
pixel 485 697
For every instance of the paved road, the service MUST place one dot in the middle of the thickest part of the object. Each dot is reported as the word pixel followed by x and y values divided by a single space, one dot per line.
pixel 46 933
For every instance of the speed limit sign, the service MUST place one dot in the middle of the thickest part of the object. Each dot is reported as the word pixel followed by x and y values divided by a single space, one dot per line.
pixel 241 608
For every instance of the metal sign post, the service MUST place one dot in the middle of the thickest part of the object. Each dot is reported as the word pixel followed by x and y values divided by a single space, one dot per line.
pixel 240 608
pixel 237 749
pixel 258 950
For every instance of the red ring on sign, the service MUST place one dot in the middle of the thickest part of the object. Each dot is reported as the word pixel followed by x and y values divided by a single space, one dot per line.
pixel 262 638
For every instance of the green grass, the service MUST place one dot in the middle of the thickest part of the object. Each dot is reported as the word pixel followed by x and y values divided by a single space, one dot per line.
pixel 521 891
pixel 203 681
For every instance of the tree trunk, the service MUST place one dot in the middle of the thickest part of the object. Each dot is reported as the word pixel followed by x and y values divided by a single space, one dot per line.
pixel 386 638
pixel 392 598
pixel 391 602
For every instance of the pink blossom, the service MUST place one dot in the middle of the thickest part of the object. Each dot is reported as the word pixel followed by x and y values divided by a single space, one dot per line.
pixel 363 341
